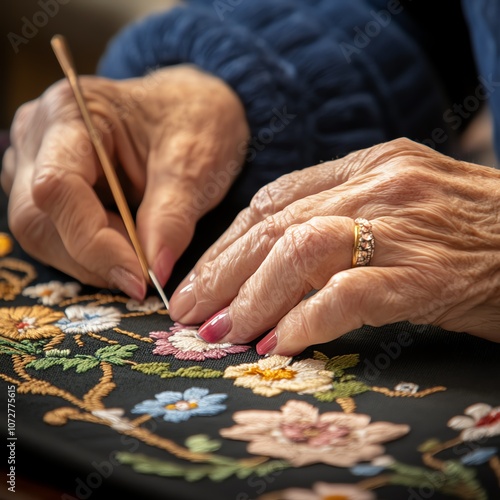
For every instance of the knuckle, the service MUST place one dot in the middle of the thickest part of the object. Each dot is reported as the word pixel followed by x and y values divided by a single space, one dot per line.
pixel 205 286
pixel 21 122
pixel 46 186
pixel 266 201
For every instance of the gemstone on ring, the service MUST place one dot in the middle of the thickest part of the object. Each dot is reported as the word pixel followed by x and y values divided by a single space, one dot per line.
pixel 364 243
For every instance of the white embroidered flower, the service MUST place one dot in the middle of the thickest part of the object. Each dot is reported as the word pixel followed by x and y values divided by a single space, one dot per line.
pixel 89 319
pixel 480 420
pixel 53 292
pixel 151 304
pixel 408 387
pixel 276 374
pixel 115 418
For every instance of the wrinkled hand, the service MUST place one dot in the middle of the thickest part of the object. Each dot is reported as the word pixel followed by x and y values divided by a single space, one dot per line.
pixel 163 132
pixel 436 223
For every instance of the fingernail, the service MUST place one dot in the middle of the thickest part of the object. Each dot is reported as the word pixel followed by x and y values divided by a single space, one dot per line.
pixel 163 265
pixel 182 301
pixel 127 282
pixel 268 343
pixel 217 327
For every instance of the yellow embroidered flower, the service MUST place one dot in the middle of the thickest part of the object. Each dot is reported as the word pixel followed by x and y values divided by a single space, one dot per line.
pixel 6 244
pixel 276 374
pixel 36 322
pixel 301 435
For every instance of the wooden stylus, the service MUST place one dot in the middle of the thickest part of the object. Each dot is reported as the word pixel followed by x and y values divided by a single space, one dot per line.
pixel 61 49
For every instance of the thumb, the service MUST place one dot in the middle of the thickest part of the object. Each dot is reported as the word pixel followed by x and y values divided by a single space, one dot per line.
pixel 166 221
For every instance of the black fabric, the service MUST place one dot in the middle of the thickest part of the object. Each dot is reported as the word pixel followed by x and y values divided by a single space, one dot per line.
pixel 76 457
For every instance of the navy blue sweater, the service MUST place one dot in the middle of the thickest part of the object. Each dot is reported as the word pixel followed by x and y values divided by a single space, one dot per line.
pixel 318 78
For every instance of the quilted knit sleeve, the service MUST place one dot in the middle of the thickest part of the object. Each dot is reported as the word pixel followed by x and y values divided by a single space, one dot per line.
pixel 318 78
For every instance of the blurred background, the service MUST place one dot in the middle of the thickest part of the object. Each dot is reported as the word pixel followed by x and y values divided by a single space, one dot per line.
pixel 27 64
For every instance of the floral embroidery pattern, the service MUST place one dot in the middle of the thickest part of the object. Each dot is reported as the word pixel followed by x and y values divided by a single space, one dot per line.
pixel 179 407
pixel 183 343
pixel 294 435
pixel 37 322
pixel 88 319
pixel 322 491
pixel 300 435
pixel 151 304
pixel 276 374
pixel 53 292
pixel 480 421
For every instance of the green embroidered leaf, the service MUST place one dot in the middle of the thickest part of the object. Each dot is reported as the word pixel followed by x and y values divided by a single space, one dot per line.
pixel 320 356
pixel 163 371
pixel 429 445
pixel 60 353
pixel 11 347
pixel 454 479
pixel 217 470
pixel 153 368
pixel 342 390
pixel 81 365
pixel 218 474
pixel 201 443
pixel 338 364
pixel 116 354
pixel 198 372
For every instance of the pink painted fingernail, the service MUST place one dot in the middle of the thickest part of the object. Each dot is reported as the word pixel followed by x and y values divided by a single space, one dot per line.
pixel 127 282
pixel 163 265
pixel 268 343
pixel 217 327
pixel 182 301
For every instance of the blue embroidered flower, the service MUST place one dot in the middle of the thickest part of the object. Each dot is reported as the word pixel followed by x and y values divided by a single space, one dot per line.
pixel 479 456
pixel 178 406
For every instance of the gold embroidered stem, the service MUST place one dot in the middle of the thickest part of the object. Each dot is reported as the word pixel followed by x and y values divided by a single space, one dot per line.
pixel 19 362
pixel 9 379
pixel 348 405
pixel 140 420
pixel 98 299
pixel 101 338
pixel 429 459
pixel 11 284
pixel 133 335
pixel 137 314
pixel 55 341
pixel 404 394
pixel 495 465
pixel 93 398
pixel 375 482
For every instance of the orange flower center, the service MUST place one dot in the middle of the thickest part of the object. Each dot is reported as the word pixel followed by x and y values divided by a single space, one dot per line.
pixel 182 406
pixel 335 497
pixel 46 293
pixel 272 374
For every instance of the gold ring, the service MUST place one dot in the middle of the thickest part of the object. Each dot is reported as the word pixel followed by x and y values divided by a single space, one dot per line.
pixel 364 243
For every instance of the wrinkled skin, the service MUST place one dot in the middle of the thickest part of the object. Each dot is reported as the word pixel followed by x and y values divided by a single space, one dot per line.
pixel 436 223
pixel 163 133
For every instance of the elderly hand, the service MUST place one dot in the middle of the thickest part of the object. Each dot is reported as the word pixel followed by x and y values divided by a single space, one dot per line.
pixel 436 222
pixel 163 132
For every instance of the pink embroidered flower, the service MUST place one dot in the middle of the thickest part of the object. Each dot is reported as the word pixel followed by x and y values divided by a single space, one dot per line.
pixel 480 420
pixel 300 435
pixel 276 374
pixel 324 491
pixel 183 343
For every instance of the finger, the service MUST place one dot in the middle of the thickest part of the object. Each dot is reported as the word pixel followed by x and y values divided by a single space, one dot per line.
pixel 353 298
pixel 302 260
pixel 62 188
pixel 36 234
pixel 218 281
pixel 287 189
pixel 8 170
